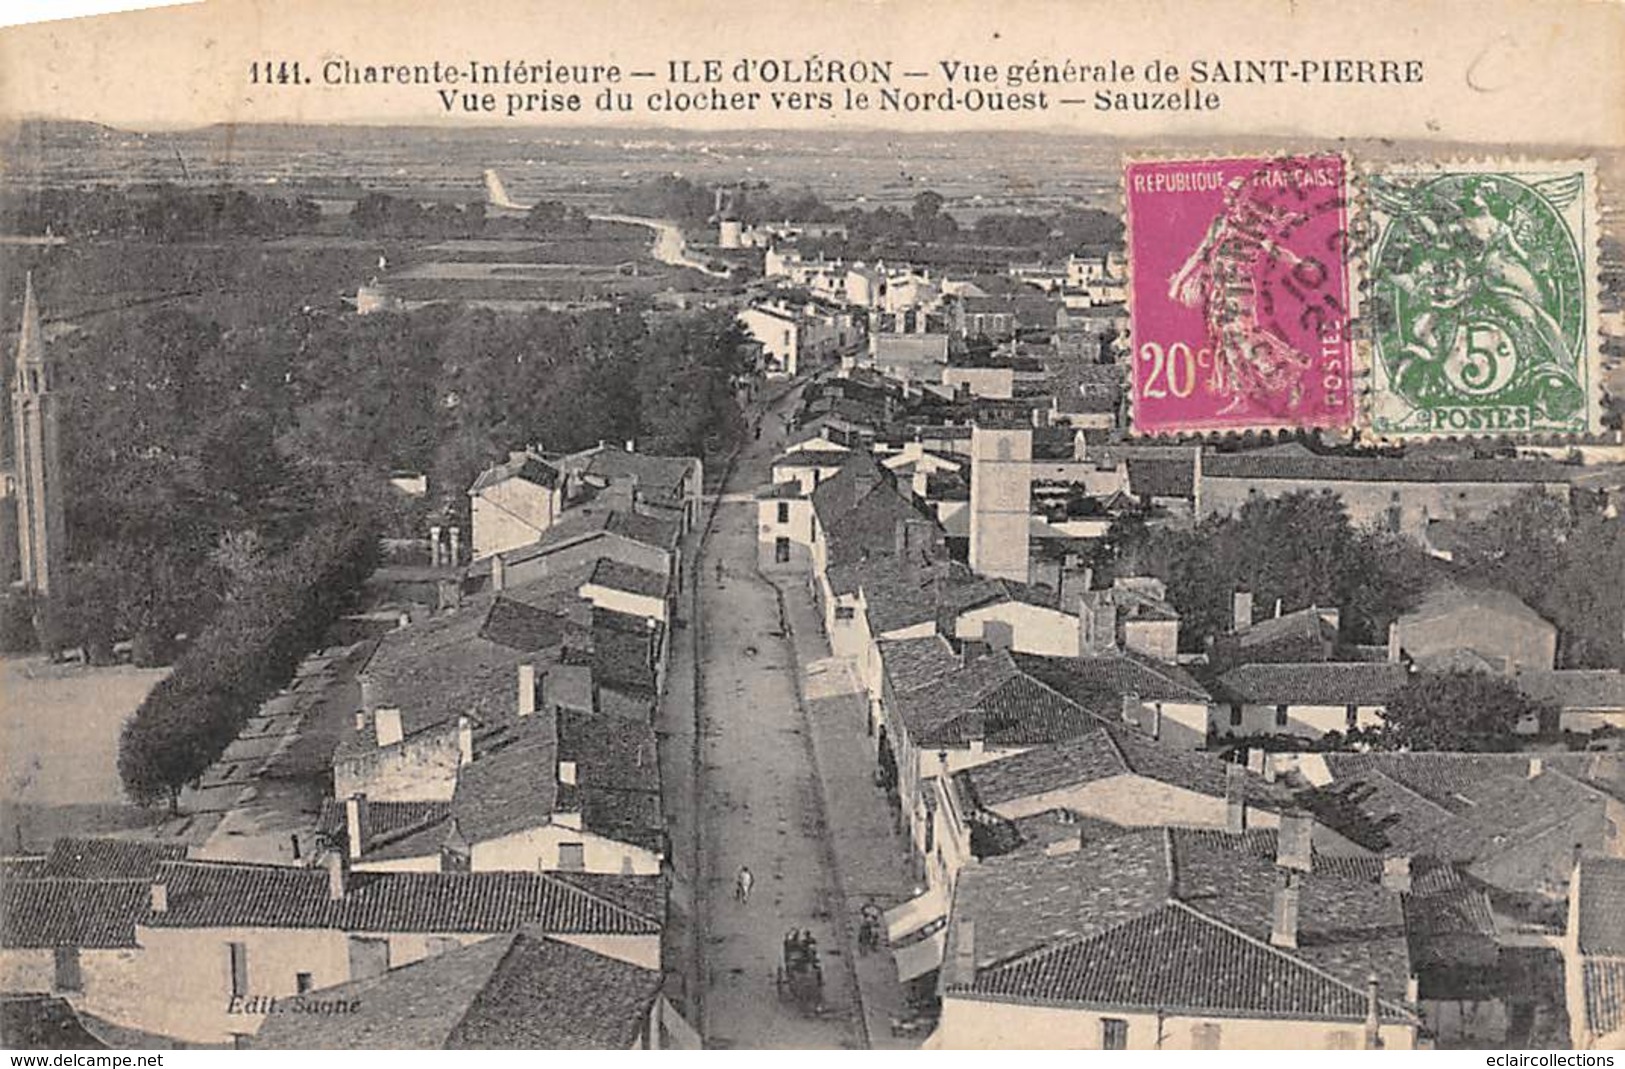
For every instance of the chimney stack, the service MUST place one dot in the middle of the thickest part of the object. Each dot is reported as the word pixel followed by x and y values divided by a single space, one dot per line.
pixel 465 741
pixel 160 898
pixel 1235 799
pixel 456 555
pixel 1241 605
pixel 1255 760
pixel 387 725
pixel 1295 842
pixel 527 689
pixel 1284 920
pixel 1373 1019
pixel 1396 874
pixel 1536 767
pixel 567 773
pixel 434 545
pixel 335 863
pixel 499 574
pixel 368 695
pixel 357 824
pixel 964 966
pixel 361 720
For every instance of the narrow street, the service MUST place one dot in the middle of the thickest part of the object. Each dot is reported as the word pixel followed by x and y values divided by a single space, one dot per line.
pixel 762 803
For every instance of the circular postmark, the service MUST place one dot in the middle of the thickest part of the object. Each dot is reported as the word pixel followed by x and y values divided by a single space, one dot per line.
pixel 1271 278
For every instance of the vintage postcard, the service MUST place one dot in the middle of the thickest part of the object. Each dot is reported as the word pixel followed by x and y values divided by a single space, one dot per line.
pixel 868 525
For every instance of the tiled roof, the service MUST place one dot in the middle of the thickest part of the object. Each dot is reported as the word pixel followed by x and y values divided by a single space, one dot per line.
pixel 1024 901
pixel 206 895
pixel 634 580
pixel 1414 469
pixel 516 991
pixel 1099 683
pixel 653 472
pixel 992 700
pixel 528 467
pixel 527 628
pixel 1576 688
pixel 512 785
pixel 912 663
pixel 1348 924
pixel 81 913
pixel 1074 762
pixel 812 457
pixel 1319 683
pixel 1177 959
pixel 1306 624
pixel 1161 477
pixel 393 827
pixel 109 859
pixel 1602 906
pixel 44 1022
pixel 1448 599
pixel 1604 984
pixel 1461 807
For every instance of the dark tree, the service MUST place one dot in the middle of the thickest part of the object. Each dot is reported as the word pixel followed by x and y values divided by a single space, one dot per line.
pixel 1460 710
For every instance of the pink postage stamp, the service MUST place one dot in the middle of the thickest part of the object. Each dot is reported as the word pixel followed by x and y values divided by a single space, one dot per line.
pixel 1241 294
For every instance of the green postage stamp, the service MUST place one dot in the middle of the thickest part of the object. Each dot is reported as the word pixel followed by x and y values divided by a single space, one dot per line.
pixel 1481 305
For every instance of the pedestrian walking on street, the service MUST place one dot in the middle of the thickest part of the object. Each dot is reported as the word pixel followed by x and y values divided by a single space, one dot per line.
pixel 742 884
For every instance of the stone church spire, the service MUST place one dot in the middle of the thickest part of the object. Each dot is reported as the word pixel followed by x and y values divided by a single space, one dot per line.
pixel 40 518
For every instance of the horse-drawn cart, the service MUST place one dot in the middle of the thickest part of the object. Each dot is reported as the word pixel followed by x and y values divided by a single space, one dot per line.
pixel 800 977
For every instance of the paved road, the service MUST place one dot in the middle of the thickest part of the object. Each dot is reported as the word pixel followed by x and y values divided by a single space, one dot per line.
pixel 670 247
pixel 762 803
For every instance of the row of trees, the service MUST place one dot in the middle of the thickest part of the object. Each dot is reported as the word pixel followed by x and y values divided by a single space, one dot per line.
pixel 156 213
pixel 1300 549
pixel 882 231
pixel 381 215
pixel 280 611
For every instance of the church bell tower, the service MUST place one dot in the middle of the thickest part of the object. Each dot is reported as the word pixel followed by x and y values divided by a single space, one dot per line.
pixel 40 519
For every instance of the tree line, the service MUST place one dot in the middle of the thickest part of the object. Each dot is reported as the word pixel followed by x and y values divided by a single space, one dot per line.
pixel 246 653
pixel 159 213
pixel 883 230
pixel 193 447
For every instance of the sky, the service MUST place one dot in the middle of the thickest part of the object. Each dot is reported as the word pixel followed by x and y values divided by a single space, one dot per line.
pixel 1496 72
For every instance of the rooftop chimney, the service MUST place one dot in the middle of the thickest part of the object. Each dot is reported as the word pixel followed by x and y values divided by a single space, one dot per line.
pixel 361 720
pixel 1396 874
pixel 1536 767
pixel 1235 799
pixel 334 862
pixel 499 573
pixel 964 965
pixel 1255 760
pixel 357 824
pixel 1284 919
pixel 387 723
pixel 367 694
pixel 1294 842
pixel 465 741
pixel 160 898
pixel 455 557
pixel 1373 1021
pixel 434 545
pixel 1241 604
pixel 527 689
pixel 631 445
pixel 567 773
